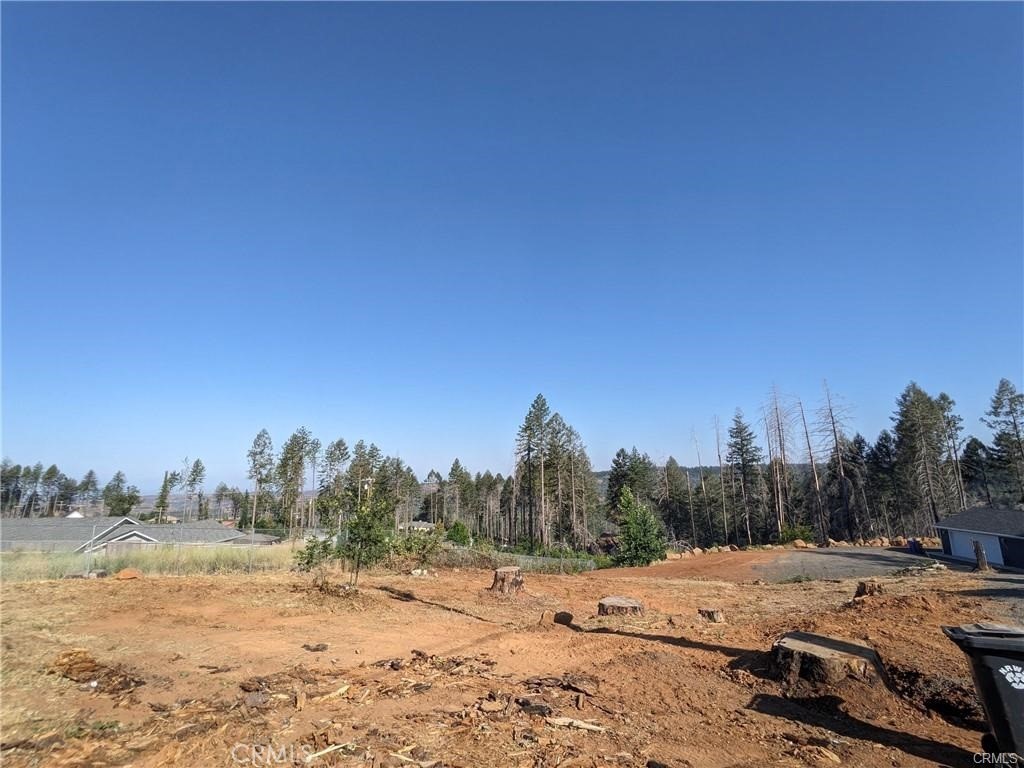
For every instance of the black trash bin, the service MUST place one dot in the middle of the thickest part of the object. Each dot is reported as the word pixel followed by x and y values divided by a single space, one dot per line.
pixel 997 663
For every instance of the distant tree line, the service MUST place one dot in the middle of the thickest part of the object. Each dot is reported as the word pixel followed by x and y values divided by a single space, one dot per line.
pixel 32 491
pixel 809 475
pixel 793 471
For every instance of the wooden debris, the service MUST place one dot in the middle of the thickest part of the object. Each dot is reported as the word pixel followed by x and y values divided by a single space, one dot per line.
pixel 568 722
pixel 316 648
pixel 335 694
pixel 79 665
pixel 616 605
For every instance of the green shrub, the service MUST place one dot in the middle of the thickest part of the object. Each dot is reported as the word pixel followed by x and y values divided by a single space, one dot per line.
pixel 792 533
pixel 459 534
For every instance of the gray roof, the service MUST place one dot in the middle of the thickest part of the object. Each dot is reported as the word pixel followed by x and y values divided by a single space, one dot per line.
pixel 58 529
pixel 179 533
pixel 74 534
pixel 1005 522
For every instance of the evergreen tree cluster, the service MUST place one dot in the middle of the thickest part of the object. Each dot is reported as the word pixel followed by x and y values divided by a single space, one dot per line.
pixel 31 491
pixel 811 474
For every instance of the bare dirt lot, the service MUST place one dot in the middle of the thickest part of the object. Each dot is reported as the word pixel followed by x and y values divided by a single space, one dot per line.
pixel 438 671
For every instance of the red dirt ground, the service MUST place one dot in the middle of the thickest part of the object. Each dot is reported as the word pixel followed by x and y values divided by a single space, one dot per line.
pixel 225 672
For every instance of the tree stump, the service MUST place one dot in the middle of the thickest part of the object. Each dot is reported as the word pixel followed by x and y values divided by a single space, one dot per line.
pixel 823 659
pixel 979 555
pixel 508 580
pixel 867 589
pixel 615 606
pixel 714 615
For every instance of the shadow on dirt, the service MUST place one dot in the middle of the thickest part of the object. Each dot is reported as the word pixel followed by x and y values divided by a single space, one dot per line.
pixel 825 712
pixel 408 597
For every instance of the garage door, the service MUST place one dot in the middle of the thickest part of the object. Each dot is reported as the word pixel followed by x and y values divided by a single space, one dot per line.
pixel 961 545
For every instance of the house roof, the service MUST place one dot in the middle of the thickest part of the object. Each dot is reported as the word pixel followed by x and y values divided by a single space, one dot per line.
pixel 1003 522
pixel 59 528
pixel 179 533
pixel 78 534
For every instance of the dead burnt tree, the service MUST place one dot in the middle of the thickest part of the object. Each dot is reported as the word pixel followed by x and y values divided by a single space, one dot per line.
pixel 508 580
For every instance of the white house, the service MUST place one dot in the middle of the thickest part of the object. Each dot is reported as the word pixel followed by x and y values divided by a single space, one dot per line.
pixel 1000 532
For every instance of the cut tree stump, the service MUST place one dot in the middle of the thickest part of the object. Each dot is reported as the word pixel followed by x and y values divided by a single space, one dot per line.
pixel 822 659
pixel 714 615
pixel 868 589
pixel 507 580
pixel 616 605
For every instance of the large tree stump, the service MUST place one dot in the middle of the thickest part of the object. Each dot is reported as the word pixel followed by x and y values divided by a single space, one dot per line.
pixel 508 580
pixel 823 659
pixel 615 605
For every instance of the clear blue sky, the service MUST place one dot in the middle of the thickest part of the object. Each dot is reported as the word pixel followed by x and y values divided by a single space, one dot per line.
pixel 402 222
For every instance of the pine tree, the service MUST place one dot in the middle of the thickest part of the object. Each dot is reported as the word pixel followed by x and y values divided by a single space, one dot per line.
pixel 119 497
pixel 641 538
pixel 261 467
pixel 745 458
pixel 1005 417
pixel 920 440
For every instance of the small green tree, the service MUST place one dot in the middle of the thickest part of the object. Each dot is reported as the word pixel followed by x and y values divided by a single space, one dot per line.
pixel 315 557
pixel 641 538
pixel 458 533
pixel 369 532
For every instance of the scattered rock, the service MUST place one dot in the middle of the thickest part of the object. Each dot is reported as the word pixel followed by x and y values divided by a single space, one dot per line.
pixel 697 551
pixel 799 544
pixel 98 574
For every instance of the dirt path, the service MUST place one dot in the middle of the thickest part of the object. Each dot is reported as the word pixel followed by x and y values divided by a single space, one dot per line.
pixel 223 663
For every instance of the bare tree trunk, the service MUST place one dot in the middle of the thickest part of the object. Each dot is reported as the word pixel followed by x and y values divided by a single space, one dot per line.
pixel 721 479
pixel 776 483
pixel 784 476
pixel 844 491
pixel 572 493
pixel 689 497
pixel 822 523
pixel 704 490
